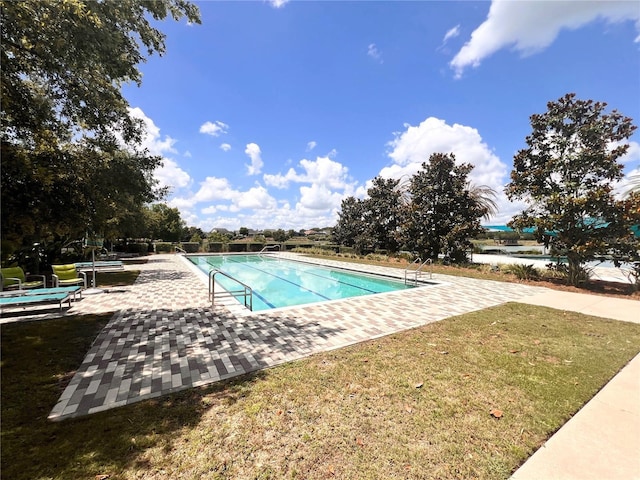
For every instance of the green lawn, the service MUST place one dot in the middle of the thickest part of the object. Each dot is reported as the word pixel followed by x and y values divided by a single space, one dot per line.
pixel 411 405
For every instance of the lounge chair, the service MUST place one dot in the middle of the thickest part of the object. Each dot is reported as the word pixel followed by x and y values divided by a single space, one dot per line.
pixel 21 298
pixel 15 278
pixel 68 275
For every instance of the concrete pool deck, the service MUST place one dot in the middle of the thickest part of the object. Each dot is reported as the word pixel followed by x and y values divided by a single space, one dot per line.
pixel 165 337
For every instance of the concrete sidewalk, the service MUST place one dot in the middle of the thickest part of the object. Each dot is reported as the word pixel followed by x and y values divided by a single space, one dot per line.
pixel 602 440
pixel 596 305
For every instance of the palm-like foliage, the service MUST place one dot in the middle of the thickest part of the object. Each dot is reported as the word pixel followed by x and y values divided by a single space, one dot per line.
pixel 634 185
pixel 485 197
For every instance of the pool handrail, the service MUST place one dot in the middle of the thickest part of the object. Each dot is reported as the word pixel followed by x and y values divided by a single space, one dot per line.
pixel 417 272
pixel 246 291
pixel 266 248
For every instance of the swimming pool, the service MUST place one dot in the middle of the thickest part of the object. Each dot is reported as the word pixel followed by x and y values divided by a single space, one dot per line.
pixel 278 282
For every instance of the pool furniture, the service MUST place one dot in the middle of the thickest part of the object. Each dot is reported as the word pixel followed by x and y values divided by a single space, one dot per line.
pixel 31 297
pixel 14 277
pixel 44 291
pixel 99 266
pixel 68 275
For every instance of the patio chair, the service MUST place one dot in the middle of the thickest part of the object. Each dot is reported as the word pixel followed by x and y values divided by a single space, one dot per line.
pixel 67 275
pixel 14 278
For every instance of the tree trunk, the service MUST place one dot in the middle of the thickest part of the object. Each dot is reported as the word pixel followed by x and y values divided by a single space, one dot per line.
pixel 575 273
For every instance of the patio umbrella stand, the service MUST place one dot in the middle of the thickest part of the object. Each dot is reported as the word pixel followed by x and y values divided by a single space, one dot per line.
pixel 93 290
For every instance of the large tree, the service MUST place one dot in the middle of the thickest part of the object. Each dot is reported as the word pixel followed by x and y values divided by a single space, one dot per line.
pixel 566 174
pixel 64 63
pixel 444 215
pixel 383 214
pixel 350 228
pixel 70 156
pixel 164 223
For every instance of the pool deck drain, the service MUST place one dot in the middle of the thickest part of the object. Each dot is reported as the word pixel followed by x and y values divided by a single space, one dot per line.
pixel 165 336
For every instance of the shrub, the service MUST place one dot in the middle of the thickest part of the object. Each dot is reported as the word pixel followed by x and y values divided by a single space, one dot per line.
pixel 138 248
pixel 216 247
pixel 163 247
pixel 255 246
pixel 374 257
pixel 523 272
pixel 561 270
pixel 190 247
pixel 237 247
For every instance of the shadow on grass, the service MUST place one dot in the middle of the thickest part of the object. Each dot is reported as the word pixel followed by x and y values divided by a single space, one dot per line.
pixel 38 361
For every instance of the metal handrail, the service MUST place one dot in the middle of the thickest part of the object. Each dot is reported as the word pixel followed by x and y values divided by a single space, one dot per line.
pixel 266 248
pixel 417 271
pixel 180 249
pixel 246 291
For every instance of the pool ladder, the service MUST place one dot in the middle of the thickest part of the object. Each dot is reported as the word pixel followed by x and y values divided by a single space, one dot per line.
pixel 245 291
pixel 414 275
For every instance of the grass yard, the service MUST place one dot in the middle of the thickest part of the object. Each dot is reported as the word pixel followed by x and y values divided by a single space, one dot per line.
pixel 409 406
pixel 116 279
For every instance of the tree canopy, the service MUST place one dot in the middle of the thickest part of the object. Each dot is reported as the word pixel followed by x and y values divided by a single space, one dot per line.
pixel 436 211
pixel 71 160
pixel 566 175
pixel 65 61
pixel 444 215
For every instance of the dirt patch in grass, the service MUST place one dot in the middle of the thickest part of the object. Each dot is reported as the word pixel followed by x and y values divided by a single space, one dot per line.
pixel 411 405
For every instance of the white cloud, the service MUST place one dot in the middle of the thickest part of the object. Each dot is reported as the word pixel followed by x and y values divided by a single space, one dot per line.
pixel 256 198
pixel 374 53
pixel 151 139
pixel 225 147
pixel 254 153
pixel 319 197
pixel 322 171
pixel 170 174
pixel 451 33
pixel 214 129
pixel 187 154
pixel 214 209
pixel 281 181
pixel 632 155
pixel 278 3
pixel 214 188
pixel 531 26
pixel 311 145
pixel 415 145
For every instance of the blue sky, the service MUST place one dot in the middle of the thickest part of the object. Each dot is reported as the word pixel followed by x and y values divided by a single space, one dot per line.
pixel 270 113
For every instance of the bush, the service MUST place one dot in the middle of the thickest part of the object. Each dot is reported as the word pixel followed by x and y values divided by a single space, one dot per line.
pixel 163 247
pixel 478 248
pixel 374 257
pixel 237 247
pixel 561 270
pixel 191 247
pixel 523 272
pixel 255 247
pixel 138 248
pixel 216 247
pixel 330 248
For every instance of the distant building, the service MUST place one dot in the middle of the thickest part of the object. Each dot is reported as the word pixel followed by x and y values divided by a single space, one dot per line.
pixel 223 231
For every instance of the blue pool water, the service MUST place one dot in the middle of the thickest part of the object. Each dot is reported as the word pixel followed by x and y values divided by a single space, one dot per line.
pixel 278 282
